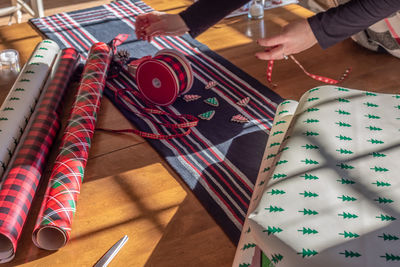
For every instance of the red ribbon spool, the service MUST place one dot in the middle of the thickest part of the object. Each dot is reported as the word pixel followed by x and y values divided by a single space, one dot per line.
pixel 164 77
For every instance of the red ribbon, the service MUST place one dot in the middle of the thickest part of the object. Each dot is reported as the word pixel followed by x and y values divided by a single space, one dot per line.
pixel 313 76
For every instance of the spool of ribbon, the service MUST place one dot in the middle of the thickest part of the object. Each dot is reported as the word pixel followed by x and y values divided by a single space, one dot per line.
pixel 21 100
pixel 164 77
pixel 53 225
pixel 19 186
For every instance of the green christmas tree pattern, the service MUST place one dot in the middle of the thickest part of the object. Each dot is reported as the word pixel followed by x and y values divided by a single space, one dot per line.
pixel 276 192
pixel 347 198
pixel 307 253
pixel 348 215
pixel 344 151
pixel 343 124
pixel 244 264
pixel 308 176
pixel 381 184
pixel 277 132
pixel 370 94
pixel 248 245
pixel 349 253
pixel 383 217
pixel 375 141
pixel 278 175
pixel 308 194
pixel 312 109
pixel 311 121
pixel 309 133
pixel 391 257
pixel 346 234
pixel 342 112
pixel 344 138
pixel 388 237
pixel 310 146
pixel 373 128
pixel 275 258
pixel 383 200
pixel 266 169
pixel 378 155
pixel 308 212
pixel 379 169
pixel 343 100
pixel 280 122
pixel 342 89
pixel 273 230
pixel 371 105
pixel 280 162
pixel 346 181
pixel 345 166
pixel 310 161
pixel 308 231
pixel 371 116
pixel 274 209
pixel 312 99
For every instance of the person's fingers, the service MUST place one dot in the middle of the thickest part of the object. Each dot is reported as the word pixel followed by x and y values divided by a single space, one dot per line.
pixel 272 41
pixel 271 54
pixel 156 28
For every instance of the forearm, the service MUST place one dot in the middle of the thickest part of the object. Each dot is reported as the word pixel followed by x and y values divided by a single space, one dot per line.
pixel 205 13
pixel 337 24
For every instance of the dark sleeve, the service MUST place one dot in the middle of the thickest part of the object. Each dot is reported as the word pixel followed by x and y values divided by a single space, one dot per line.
pixel 203 14
pixel 339 23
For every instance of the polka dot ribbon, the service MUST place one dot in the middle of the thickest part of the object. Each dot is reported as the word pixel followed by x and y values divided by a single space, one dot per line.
pixel 313 76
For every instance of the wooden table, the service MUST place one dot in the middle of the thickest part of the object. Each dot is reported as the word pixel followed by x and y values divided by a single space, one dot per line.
pixel 129 189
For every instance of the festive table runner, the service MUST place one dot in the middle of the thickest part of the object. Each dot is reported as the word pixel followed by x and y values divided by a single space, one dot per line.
pixel 53 226
pixel 21 100
pixel 219 160
pixel 332 195
pixel 22 180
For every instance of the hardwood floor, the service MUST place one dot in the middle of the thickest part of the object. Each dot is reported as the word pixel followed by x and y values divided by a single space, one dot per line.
pixel 133 191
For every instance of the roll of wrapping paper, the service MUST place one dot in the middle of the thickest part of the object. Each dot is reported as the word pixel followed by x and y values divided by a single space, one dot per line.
pixel 53 226
pixel 21 100
pixel 20 183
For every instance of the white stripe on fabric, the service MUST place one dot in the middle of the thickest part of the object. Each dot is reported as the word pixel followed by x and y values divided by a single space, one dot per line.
pixel 67 36
pixel 88 34
pixel 79 35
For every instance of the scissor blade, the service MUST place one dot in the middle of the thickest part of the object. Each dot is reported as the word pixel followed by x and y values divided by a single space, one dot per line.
pixel 111 253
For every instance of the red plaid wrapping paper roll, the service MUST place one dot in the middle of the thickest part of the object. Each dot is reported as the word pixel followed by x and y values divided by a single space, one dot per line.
pixel 53 226
pixel 20 184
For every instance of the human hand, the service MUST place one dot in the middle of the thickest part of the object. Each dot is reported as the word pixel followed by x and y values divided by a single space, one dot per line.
pixel 297 36
pixel 156 23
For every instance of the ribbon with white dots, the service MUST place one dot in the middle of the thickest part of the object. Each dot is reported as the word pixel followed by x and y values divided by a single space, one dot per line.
pixel 315 77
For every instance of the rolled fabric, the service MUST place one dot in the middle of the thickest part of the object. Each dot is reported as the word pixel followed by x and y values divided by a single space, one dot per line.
pixel 53 225
pixel 20 183
pixel 22 98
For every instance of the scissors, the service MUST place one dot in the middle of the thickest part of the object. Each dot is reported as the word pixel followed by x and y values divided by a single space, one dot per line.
pixel 111 253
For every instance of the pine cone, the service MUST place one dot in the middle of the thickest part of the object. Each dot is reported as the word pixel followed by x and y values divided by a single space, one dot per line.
pixel 123 56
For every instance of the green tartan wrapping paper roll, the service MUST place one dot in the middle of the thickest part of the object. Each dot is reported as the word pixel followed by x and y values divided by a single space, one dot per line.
pixel 21 100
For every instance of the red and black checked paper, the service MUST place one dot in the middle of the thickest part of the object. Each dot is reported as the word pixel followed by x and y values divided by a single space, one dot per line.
pixel 19 186
pixel 59 204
